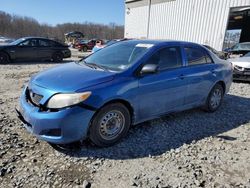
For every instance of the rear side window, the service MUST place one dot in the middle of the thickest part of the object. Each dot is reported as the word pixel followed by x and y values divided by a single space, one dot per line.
pixel 47 43
pixel 196 56
pixel 167 58
pixel 44 43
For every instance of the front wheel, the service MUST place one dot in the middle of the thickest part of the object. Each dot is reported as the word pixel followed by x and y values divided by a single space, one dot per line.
pixel 109 125
pixel 214 99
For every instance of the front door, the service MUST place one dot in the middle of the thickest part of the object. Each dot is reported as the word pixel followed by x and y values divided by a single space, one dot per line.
pixel 27 50
pixel 165 90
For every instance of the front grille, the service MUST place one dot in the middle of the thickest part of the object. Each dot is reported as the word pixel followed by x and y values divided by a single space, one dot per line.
pixel 247 69
pixel 34 98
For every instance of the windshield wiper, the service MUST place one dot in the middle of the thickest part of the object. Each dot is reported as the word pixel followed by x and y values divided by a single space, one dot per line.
pixel 96 66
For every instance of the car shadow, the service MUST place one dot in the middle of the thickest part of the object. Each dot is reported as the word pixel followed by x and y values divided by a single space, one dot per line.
pixel 155 137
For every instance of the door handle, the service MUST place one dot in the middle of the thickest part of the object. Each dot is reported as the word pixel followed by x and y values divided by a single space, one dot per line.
pixel 182 76
pixel 212 71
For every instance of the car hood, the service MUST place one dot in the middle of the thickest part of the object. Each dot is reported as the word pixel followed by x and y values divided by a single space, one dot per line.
pixel 242 62
pixel 5 45
pixel 71 77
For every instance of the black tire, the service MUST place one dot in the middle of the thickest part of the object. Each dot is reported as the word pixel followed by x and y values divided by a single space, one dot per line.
pixel 57 57
pixel 85 49
pixel 214 98
pixel 99 126
pixel 4 58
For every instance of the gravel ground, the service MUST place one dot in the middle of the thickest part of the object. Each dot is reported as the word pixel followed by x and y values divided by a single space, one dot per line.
pixel 187 149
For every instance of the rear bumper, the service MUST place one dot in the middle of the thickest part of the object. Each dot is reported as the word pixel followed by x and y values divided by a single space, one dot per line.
pixel 61 127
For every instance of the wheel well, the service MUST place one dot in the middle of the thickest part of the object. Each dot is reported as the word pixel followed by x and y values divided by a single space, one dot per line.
pixel 125 103
pixel 223 85
pixel 6 54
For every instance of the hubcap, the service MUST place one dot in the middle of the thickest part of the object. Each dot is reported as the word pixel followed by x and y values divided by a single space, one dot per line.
pixel 216 98
pixel 111 125
pixel 2 59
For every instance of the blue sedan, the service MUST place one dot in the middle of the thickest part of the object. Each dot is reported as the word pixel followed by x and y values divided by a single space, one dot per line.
pixel 127 83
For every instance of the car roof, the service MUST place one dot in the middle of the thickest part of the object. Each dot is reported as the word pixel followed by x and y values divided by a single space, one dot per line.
pixel 162 42
pixel 36 38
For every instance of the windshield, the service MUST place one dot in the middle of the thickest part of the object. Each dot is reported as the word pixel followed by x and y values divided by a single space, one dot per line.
pixel 118 57
pixel 247 55
pixel 241 46
pixel 17 41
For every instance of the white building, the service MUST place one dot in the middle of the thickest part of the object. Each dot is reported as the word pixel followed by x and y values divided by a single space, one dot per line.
pixel 211 22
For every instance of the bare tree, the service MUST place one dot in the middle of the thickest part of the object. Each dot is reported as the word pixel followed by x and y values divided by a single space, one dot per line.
pixel 14 26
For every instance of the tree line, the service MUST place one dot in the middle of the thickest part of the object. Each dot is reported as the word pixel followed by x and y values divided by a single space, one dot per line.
pixel 14 26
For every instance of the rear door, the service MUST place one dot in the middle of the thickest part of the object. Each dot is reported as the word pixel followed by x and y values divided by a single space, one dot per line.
pixel 27 50
pixel 165 90
pixel 200 74
pixel 45 49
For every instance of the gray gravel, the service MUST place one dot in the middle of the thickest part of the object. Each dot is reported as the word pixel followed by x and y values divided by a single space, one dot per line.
pixel 187 149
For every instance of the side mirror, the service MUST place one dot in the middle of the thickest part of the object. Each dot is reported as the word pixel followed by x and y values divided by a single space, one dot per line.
pixel 149 69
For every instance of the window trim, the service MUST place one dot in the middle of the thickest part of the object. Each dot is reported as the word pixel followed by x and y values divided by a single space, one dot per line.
pixel 201 49
pixel 167 69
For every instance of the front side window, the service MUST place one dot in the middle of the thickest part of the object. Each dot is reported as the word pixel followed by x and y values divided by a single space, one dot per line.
pixel 29 42
pixel 167 58
pixel 195 56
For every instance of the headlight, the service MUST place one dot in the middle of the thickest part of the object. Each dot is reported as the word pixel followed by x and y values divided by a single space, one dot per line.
pixel 238 68
pixel 64 100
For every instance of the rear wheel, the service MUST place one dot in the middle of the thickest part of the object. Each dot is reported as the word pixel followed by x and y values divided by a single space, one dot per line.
pixel 4 58
pixel 57 57
pixel 215 98
pixel 109 125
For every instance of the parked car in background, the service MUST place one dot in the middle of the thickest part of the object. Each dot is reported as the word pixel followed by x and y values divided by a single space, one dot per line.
pixel 4 40
pixel 220 54
pixel 238 50
pixel 85 46
pixel 241 67
pixel 33 49
pixel 74 45
pixel 121 85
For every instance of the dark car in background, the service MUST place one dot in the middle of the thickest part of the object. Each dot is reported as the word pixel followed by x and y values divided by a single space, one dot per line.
pixel 34 49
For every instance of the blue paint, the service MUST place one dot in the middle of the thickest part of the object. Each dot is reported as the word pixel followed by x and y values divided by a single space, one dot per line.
pixel 149 96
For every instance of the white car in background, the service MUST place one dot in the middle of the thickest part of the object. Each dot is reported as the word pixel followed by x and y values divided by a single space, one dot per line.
pixel 241 67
